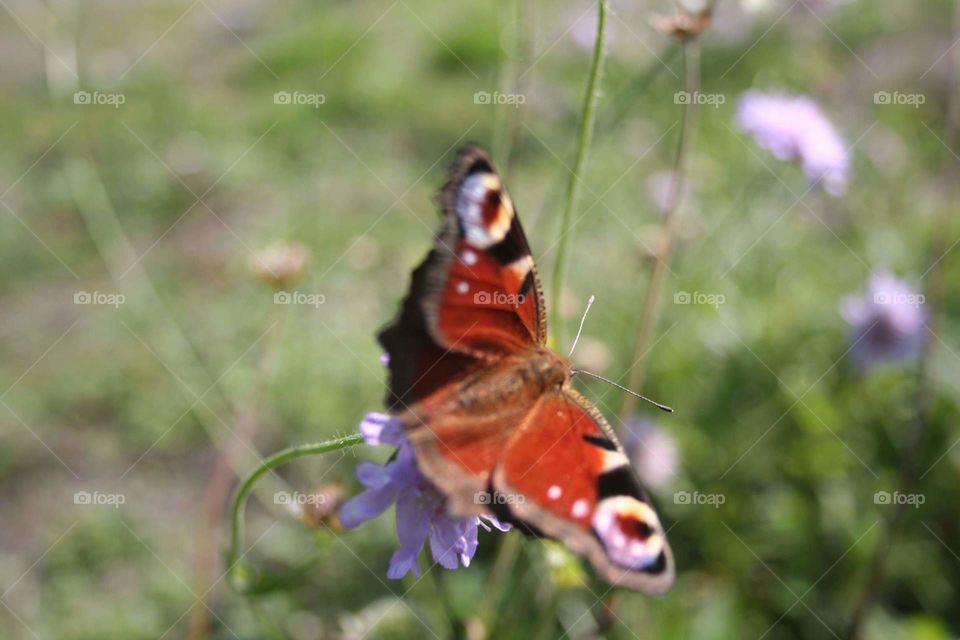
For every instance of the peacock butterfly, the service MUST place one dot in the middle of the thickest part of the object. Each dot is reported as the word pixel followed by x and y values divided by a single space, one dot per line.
pixel 491 413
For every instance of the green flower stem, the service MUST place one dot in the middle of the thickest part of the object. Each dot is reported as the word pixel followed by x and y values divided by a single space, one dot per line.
pixel 651 304
pixel 575 181
pixel 239 572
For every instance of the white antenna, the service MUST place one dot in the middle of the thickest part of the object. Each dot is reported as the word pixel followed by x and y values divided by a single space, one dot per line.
pixel 662 407
pixel 582 320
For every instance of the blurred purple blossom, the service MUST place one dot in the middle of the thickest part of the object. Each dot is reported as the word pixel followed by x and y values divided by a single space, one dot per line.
pixel 653 452
pixel 794 128
pixel 887 322
pixel 421 508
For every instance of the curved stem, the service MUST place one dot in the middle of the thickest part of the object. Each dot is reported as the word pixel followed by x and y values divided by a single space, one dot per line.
pixel 575 180
pixel 239 575
pixel 651 303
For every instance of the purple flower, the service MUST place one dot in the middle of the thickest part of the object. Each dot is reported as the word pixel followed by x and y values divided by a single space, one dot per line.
pixel 653 452
pixel 794 128
pixel 886 321
pixel 421 508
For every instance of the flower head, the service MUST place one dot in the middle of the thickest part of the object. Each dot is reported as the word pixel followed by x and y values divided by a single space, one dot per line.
pixel 421 508
pixel 886 321
pixel 794 128
pixel 281 264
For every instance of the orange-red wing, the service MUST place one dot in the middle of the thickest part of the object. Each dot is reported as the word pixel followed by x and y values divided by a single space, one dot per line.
pixel 475 299
pixel 564 476
pixel 459 449
pixel 486 307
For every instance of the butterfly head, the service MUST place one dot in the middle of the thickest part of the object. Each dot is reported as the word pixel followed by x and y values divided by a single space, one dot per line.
pixel 551 370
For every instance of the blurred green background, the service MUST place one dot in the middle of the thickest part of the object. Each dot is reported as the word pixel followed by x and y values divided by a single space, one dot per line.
pixel 168 198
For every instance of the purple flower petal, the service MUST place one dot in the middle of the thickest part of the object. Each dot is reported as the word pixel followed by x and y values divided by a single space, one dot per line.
pixel 380 428
pixel 403 470
pixel 794 128
pixel 372 476
pixel 421 509
pixel 886 321
pixel 496 524
pixel 448 540
pixel 404 561
pixel 413 526
pixel 366 506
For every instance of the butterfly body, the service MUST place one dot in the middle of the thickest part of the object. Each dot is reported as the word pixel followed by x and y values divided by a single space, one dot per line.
pixel 491 412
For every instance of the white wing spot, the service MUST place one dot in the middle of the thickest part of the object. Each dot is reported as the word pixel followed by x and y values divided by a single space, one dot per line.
pixel 462 287
pixel 580 508
pixel 554 492
pixel 469 258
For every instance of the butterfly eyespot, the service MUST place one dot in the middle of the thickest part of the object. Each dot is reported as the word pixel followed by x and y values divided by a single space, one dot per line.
pixel 485 213
pixel 554 492
pixel 462 288
pixel 469 258
pixel 630 532
pixel 580 508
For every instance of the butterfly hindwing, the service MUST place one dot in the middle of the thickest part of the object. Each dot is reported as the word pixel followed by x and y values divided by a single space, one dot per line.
pixel 565 475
